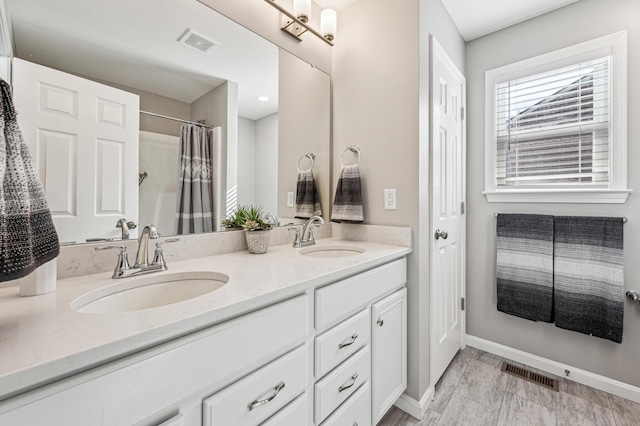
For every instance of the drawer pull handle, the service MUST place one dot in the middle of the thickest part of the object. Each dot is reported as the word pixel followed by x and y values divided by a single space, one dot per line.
pixel 347 386
pixel 380 322
pixel 349 343
pixel 258 402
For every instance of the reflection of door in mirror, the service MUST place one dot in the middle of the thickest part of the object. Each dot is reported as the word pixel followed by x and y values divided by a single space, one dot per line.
pixel 83 137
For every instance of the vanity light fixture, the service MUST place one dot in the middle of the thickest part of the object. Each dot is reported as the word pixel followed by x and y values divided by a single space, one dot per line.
pixel 302 10
pixel 295 24
pixel 263 98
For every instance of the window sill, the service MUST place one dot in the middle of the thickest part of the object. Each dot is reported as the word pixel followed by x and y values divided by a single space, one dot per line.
pixel 564 196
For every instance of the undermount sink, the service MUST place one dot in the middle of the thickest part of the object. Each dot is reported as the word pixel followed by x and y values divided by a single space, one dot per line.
pixel 149 291
pixel 332 251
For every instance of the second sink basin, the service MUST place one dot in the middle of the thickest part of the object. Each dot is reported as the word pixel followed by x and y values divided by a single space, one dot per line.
pixel 149 291
pixel 332 250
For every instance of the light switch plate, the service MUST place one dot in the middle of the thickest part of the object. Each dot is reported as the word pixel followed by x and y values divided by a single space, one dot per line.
pixel 289 199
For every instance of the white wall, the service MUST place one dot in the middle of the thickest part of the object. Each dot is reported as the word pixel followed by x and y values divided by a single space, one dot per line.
pixel 246 161
pixel 266 163
pixel 579 22
pixel 380 102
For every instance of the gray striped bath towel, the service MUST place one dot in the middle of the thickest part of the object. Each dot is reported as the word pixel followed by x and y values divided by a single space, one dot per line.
pixel 347 204
pixel 589 284
pixel 525 265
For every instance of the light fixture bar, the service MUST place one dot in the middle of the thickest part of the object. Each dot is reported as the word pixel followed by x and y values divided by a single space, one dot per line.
pixel 297 21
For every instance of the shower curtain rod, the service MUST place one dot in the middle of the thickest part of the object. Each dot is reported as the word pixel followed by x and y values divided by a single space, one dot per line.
pixel 177 119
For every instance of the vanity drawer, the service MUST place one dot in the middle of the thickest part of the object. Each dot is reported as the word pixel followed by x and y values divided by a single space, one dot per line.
pixel 356 411
pixel 338 385
pixel 342 341
pixel 339 300
pixel 296 413
pixel 258 396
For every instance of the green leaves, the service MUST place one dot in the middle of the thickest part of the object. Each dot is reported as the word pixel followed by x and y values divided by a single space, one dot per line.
pixel 248 218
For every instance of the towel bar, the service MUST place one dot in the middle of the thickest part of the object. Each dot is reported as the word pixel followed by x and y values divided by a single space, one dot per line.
pixel 624 218
pixel 352 148
pixel 311 156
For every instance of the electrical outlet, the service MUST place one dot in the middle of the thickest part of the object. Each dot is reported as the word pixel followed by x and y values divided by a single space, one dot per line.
pixel 390 199
pixel 289 199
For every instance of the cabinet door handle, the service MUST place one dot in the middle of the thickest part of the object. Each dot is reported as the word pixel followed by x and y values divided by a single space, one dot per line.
pixel 349 343
pixel 258 402
pixel 380 322
pixel 347 386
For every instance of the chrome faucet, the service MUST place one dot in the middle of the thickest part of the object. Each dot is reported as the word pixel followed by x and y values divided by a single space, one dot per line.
pixel 149 232
pixel 142 265
pixel 273 218
pixel 308 231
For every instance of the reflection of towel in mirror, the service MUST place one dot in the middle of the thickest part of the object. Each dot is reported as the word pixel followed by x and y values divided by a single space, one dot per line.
pixel 347 204
pixel 28 238
pixel 307 199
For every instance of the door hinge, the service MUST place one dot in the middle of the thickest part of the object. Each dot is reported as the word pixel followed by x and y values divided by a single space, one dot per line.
pixel 462 303
pixel 462 207
pixel 461 113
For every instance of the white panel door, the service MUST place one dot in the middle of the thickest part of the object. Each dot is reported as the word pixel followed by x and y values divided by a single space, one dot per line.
pixel 83 137
pixel 447 197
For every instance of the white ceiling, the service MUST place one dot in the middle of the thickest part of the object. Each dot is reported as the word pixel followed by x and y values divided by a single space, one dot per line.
pixel 135 43
pixel 476 18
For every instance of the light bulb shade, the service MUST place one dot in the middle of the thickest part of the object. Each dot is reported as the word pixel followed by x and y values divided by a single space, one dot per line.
pixel 328 23
pixel 302 9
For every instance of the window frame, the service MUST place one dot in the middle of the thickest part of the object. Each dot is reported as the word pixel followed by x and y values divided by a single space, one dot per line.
pixel 615 46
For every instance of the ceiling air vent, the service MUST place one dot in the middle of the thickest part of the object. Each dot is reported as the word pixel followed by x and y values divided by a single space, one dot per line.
pixel 198 42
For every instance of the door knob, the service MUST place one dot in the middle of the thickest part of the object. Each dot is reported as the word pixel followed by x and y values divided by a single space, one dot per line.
pixel 441 234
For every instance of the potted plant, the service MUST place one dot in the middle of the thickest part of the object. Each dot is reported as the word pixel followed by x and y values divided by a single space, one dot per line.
pixel 256 229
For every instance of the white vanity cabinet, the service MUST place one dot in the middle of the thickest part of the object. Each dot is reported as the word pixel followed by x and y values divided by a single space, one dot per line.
pixel 153 385
pixel 335 355
pixel 361 346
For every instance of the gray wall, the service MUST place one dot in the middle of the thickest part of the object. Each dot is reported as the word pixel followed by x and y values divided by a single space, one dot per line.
pixel 246 161
pixel 302 127
pixel 573 24
pixel 380 102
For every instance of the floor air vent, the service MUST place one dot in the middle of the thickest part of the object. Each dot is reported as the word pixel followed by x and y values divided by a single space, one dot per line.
pixel 530 376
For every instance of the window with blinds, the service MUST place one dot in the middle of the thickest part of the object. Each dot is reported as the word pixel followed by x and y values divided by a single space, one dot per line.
pixel 552 129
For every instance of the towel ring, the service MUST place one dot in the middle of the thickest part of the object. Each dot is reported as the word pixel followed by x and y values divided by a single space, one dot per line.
pixel 311 156
pixel 352 148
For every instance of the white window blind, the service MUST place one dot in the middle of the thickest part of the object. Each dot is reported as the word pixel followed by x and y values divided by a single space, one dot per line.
pixel 552 129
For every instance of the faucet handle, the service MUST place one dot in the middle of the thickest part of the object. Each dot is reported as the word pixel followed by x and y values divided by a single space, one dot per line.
pixel 158 255
pixel 123 260
pixel 297 242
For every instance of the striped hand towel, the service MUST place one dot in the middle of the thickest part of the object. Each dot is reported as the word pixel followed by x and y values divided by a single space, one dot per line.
pixel 28 237
pixel 589 284
pixel 347 204
pixel 525 265
pixel 307 198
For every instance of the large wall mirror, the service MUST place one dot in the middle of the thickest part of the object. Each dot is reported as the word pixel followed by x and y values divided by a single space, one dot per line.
pixel 156 65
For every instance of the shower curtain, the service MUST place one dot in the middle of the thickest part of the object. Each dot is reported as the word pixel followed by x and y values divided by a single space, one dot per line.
pixel 194 211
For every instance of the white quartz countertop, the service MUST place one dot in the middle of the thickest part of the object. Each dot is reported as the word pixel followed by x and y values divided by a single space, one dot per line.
pixel 42 339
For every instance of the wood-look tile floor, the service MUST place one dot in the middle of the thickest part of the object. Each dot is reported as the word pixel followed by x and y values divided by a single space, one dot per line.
pixel 473 391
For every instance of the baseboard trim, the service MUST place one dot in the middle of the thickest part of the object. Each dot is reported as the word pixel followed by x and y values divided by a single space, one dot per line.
pixel 588 378
pixel 413 407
